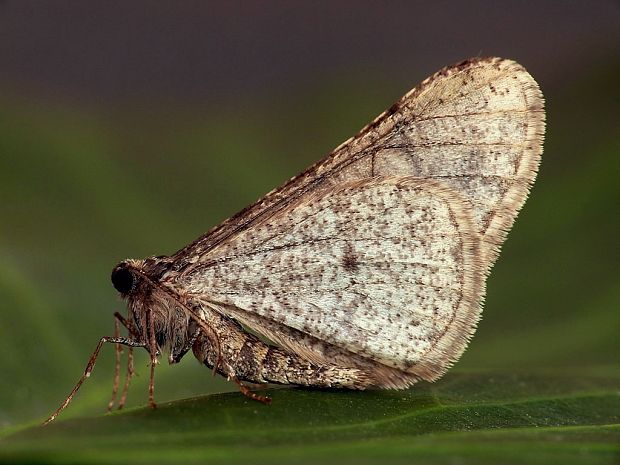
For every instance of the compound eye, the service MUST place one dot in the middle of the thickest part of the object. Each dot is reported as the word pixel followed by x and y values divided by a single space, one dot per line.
pixel 122 279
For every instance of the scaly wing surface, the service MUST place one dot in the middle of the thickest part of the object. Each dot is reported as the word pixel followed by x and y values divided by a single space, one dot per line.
pixel 477 127
pixel 387 268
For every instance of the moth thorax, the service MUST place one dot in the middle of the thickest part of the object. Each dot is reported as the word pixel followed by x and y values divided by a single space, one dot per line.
pixel 170 322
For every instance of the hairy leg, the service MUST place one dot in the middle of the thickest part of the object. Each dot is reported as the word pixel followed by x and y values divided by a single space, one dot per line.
pixel 119 319
pixel 89 368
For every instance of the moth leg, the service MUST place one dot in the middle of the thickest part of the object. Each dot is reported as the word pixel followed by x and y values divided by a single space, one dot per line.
pixel 153 353
pixel 89 368
pixel 127 324
pixel 130 374
pixel 130 366
pixel 117 364
pixel 246 391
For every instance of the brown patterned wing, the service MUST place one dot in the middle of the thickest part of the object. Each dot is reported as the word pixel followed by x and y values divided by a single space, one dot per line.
pixel 388 269
pixel 477 127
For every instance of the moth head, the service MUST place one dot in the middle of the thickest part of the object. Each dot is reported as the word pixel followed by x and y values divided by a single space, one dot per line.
pixel 124 278
pixel 148 301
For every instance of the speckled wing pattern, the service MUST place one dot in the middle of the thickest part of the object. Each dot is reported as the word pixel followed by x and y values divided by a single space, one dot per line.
pixel 382 248
pixel 385 267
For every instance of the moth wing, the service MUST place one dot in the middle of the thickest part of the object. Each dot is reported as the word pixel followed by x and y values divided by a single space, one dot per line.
pixel 386 268
pixel 477 126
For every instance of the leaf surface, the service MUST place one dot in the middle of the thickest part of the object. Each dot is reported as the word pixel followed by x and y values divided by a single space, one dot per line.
pixel 469 418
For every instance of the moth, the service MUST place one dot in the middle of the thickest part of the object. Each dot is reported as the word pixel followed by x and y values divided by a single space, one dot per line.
pixel 368 269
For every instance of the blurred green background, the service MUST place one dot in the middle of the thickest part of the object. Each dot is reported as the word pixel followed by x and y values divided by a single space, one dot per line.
pixel 128 131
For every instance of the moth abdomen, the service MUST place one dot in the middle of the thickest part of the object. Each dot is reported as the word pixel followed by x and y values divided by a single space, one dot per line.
pixel 247 358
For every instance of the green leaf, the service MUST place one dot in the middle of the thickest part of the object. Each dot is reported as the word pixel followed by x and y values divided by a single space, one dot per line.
pixel 464 418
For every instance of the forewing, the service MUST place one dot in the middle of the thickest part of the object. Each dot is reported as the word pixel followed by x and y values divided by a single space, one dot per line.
pixel 477 126
pixel 387 268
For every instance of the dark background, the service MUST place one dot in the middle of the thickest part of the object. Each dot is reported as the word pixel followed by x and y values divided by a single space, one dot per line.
pixel 127 129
